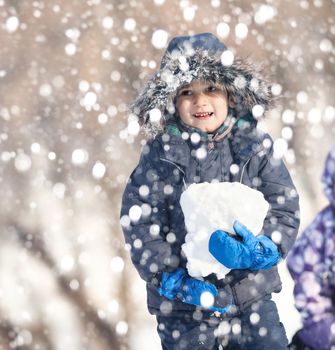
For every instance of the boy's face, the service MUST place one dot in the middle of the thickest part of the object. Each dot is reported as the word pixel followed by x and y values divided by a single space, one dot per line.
pixel 203 105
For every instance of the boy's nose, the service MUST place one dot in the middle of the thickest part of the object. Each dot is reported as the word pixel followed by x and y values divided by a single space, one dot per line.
pixel 200 99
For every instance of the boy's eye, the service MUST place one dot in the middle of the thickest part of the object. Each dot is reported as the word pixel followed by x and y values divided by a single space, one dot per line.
pixel 212 88
pixel 185 93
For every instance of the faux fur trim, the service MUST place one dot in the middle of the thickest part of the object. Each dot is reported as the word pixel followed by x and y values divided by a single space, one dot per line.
pixel 243 80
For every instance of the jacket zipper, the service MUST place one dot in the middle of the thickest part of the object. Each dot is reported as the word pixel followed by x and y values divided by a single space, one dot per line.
pixel 243 169
pixel 210 145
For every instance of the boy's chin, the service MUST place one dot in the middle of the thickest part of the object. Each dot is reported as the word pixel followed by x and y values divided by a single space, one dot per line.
pixel 208 128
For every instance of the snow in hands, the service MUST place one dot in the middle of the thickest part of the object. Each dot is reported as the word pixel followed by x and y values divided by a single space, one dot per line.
pixel 208 207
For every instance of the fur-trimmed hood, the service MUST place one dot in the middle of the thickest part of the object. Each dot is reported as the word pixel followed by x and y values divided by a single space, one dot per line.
pixel 201 57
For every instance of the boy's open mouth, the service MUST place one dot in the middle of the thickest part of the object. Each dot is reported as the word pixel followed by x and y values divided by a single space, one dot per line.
pixel 202 115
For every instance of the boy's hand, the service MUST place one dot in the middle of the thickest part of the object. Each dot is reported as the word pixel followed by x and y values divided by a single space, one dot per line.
pixel 178 285
pixel 254 253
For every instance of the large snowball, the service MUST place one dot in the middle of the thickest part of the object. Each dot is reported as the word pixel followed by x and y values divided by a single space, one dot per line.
pixel 211 206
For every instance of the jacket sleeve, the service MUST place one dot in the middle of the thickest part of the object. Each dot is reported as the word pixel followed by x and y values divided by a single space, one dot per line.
pixel 282 221
pixel 144 217
pixel 313 293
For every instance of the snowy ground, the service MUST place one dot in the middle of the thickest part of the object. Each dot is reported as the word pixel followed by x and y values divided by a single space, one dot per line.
pixel 285 302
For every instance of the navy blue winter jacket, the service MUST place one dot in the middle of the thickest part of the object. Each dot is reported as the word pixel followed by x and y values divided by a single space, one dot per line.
pixel 168 164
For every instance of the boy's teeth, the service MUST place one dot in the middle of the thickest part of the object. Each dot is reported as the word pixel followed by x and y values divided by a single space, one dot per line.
pixel 204 114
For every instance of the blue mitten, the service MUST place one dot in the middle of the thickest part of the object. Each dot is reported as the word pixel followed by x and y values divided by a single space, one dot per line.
pixel 178 285
pixel 254 253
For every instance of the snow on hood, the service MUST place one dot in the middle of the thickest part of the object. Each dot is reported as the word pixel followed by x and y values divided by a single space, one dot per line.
pixel 328 177
pixel 187 59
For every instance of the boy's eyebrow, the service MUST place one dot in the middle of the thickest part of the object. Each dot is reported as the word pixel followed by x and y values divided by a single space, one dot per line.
pixel 184 87
pixel 207 83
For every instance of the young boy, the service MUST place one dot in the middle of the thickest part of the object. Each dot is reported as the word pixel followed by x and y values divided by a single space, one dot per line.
pixel 198 110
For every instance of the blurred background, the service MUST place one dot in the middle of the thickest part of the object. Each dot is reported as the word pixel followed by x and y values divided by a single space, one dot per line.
pixel 68 70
